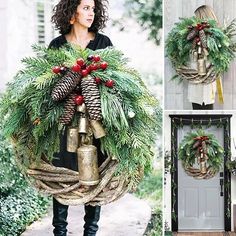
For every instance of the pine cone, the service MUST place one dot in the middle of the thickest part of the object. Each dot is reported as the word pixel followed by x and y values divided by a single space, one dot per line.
pixel 194 44
pixel 204 147
pixel 203 38
pixel 65 85
pixel 69 110
pixel 192 34
pixel 91 98
pixel 196 144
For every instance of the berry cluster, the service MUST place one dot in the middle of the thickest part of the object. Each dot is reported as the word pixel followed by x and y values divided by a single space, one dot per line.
pixel 93 63
pixel 81 67
pixel 200 26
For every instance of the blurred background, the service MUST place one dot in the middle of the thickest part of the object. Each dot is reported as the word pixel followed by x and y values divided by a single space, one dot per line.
pixel 135 27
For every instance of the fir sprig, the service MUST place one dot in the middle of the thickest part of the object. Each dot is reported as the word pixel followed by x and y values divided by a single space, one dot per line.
pixel 30 117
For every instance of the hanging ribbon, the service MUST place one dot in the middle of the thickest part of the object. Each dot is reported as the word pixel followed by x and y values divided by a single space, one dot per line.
pixel 220 89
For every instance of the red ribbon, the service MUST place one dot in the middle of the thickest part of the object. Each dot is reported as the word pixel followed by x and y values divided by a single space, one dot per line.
pixel 202 138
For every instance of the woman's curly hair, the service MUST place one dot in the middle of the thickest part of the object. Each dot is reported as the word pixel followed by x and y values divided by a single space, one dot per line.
pixel 65 10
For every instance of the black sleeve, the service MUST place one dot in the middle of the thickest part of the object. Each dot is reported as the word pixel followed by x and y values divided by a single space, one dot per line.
pixel 109 43
pixel 57 42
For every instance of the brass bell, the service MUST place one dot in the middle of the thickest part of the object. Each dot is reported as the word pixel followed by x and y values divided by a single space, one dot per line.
pixel 199 50
pixel 97 129
pixel 72 139
pixel 206 53
pixel 83 125
pixel 203 168
pixel 81 108
pixel 195 56
pixel 201 65
pixel 88 165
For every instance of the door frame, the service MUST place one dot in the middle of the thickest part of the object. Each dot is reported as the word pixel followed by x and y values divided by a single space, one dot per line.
pixel 220 121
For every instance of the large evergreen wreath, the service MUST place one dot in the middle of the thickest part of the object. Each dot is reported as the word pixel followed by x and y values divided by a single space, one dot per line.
pixel 203 149
pixel 201 40
pixel 35 102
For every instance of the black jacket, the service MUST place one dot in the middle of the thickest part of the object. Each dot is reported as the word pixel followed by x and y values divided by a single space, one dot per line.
pixel 64 158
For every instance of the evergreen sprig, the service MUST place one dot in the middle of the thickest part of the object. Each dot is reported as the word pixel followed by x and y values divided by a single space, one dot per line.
pixel 131 116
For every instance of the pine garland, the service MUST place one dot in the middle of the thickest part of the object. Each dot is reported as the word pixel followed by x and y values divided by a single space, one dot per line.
pixel 220 43
pixel 189 152
pixel 31 117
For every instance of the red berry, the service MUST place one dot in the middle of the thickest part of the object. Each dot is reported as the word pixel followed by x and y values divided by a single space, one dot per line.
pixel 83 66
pixel 93 67
pixel 198 25
pixel 80 61
pixel 88 68
pixel 98 80
pixel 110 83
pixel 56 69
pixel 90 57
pixel 104 65
pixel 79 100
pixel 84 72
pixel 96 58
pixel 62 69
pixel 197 39
pixel 76 68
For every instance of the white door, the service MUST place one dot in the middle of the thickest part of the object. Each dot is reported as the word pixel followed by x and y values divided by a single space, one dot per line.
pixel 200 204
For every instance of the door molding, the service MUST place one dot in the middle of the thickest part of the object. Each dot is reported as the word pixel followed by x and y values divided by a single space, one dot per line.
pixel 220 121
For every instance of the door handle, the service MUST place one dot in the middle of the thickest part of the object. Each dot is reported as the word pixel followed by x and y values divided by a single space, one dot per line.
pixel 221 187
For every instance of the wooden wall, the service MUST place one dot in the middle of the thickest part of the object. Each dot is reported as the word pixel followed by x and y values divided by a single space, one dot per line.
pixel 175 93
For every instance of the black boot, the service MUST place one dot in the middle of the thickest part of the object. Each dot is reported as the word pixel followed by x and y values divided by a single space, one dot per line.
pixel 91 218
pixel 59 221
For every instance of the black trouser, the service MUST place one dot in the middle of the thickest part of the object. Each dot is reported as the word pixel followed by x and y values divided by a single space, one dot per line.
pixel 60 212
pixel 92 214
pixel 197 106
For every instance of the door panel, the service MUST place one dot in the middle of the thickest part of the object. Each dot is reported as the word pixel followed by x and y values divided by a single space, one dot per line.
pixel 200 206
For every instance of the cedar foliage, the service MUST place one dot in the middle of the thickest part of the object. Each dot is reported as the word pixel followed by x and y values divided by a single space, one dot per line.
pixel 28 99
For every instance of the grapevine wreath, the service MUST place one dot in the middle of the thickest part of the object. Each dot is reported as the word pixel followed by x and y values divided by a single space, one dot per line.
pixel 203 42
pixel 53 91
pixel 203 149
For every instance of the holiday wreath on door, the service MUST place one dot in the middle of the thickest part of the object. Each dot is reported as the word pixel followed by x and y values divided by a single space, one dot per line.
pixel 203 149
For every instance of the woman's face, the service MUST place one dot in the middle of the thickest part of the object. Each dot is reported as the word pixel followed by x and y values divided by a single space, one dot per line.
pixel 85 13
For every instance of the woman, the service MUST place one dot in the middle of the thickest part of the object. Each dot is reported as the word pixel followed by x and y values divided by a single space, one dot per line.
pixel 78 22
pixel 202 96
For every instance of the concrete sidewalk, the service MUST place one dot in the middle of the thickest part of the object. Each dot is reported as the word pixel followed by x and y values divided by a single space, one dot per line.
pixel 128 216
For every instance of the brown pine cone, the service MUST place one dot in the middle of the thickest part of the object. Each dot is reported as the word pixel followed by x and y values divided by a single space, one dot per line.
pixel 192 34
pixel 69 110
pixel 65 85
pixel 92 99
pixel 203 38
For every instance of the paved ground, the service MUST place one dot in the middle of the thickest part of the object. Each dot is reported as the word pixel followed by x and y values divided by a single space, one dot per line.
pixel 128 216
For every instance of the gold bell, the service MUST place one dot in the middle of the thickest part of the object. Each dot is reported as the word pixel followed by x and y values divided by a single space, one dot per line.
pixel 199 50
pixel 72 139
pixel 195 56
pixel 201 65
pixel 97 129
pixel 203 167
pixel 83 125
pixel 206 53
pixel 88 165
pixel 81 108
